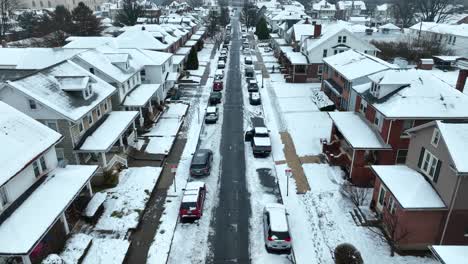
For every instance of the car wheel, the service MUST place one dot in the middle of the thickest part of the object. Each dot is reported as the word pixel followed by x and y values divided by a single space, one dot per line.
pixel 267 249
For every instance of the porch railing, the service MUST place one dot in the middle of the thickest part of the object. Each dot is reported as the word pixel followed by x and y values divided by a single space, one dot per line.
pixel 116 159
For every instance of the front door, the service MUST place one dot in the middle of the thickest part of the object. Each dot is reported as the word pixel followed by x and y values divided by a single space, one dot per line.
pixel 381 198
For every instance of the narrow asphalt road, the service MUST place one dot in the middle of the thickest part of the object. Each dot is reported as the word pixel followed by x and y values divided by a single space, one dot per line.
pixel 230 241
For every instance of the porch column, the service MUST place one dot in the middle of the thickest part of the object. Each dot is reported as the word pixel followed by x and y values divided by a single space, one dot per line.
pixel 104 159
pixel 121 141
pixel 65 223
pixel 142 120
pixel 90 189
pixel 134 126
pixel 26 259
pixel 77 158
pixel 150 107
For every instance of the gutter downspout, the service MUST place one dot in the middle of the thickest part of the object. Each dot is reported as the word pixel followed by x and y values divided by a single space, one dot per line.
pixel 452 204
pixel 352 164
pixel 389 130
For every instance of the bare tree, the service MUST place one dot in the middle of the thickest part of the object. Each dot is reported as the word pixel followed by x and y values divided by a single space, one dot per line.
pixel 403 11
pixel 6 8
pixel 356 195
pixel 433 10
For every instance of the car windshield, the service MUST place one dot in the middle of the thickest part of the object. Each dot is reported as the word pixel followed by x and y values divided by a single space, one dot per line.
pixel 261 135
pixel 198 166
pixel 187 206
pixel 278 235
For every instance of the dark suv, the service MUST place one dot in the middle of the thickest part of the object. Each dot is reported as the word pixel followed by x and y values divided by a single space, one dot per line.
pixel 201 162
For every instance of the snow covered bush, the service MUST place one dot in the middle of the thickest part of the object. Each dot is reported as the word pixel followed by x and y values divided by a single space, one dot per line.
pixel 347 254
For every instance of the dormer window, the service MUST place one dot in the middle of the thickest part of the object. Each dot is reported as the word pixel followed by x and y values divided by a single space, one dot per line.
pixel 88 92
pixel 435 137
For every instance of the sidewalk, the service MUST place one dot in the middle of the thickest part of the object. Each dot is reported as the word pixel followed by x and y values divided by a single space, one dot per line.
pixel 293 161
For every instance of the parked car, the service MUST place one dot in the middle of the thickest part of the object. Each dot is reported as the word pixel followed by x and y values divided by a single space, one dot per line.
pixel 254 98
pixel 193 200
pixel 211 116
pixel 223 58
pixel 221 64
pixel 248 60
pixel 245 45
pixel 227 40
pixel 267 49
pixel 219 74
pixel 249 71
pixel 225 46
pixel 252 86
pixel 218 86
pixel 201 162
pixel 215 98
pixel 259 139
pixel 228 26
pixel 276 228
pixel 223 51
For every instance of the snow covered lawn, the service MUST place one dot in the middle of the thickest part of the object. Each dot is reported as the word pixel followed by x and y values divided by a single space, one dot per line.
pixel 126 202
pixel 297 104
pixel 160 145
pixel 106 250
pixel 165 127
pixel 75 248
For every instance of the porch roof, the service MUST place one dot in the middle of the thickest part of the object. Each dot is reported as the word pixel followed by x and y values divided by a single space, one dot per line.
pixel 451 254
pixel 20 232
pixel 409 187
pixel 196 37
pixel 294 57
pixel 190 43
pixel 183 51
pixel 356 131
pixel 177 59
pixel 141 95
pixel 105 136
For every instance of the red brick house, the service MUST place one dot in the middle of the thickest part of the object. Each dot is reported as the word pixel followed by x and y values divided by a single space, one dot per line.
pixel 429 192
pixel 391 103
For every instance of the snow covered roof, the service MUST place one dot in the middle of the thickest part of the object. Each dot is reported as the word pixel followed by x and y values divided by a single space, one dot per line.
pixel 323 5
pixel 301 30
pixel 43 87
pixel 421 95
pixel 293 56
pixel 177 59
pixel 262 141
pixel 34 58
pixel 357 131
pixel 141 39
pixel 288 15
pixel 439 28
pixel 408 186
pixel 139 96
pixel 105 136
pixel 190 43
pixel 155 57
pixel 382 7
pixel 455 136
pixel 21 231
pixel 351 4
pixel 89 42
pixel 353 64
pixel 278 220
pixel 359 19
pixel 450 254
pixel 23 138
pixel 389 26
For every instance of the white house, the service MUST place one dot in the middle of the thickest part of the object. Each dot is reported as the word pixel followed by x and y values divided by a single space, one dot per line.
pixel 35 189
pixel 346 9
pixel 323 10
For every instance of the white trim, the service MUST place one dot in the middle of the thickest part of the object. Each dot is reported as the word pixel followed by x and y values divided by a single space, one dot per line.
pixel 432 161
pixel 435 134
pixel 382 188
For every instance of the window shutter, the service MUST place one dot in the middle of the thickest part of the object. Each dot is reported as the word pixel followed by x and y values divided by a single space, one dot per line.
pixel 421 156
pixel 437 171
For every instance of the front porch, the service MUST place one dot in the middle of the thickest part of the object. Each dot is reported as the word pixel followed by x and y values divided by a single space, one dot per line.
pixel 294 65
pixel 354 146
pixel 146 100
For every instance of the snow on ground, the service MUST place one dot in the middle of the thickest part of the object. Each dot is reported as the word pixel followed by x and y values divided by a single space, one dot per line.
pixel 165 127
pixel 106 250
pixel 176 110
pixel 75 248
pixel 160 145
pixel 198 72
pixel 162 251
pixel 126 202
pixel 306 130
pixel 297 104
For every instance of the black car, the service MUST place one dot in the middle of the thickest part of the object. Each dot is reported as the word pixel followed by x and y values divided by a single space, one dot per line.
pixel 215 98
pixel 254 98
pixel 252 86
pixel 201 162
pixel 223 58
pixel 249 71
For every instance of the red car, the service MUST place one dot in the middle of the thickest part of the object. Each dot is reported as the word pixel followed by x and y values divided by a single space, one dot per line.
pixel 193 200
pixel 217 86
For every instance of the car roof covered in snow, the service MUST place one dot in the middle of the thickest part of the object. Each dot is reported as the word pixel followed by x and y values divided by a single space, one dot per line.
pixel 451 254
pixel 408 186
pixel 23 138
pixel 278 220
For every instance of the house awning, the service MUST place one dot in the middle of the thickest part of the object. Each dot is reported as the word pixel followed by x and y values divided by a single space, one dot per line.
pixel 356 131
pixel 172 77
pixel 190 43
pixel 183 51
pixel 409 187
pixel 196 37
pixel 105 136
pixel 140 96
pixel 28 224
pixel 177 59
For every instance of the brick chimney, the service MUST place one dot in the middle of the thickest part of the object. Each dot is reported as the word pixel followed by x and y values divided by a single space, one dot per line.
pixel 462 75
pixel 425 64
pixel 317 31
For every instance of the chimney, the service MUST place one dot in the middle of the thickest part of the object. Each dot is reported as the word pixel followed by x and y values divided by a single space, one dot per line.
pixel 317 30
pixel 4 44
pixel 462 75
pixel 425 64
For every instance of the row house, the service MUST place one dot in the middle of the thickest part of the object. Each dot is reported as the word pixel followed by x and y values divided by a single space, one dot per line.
pixel 328 40
pixel 37 193
pixel 394 101
pixel 429 191
pixel 350 8
pixel 345 71
pixel 78 105
pixel 323 10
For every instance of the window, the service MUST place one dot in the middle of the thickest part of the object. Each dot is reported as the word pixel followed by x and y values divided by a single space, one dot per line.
pixel 91 70
pixel 143 74
pixel 90 119
pixel 34 3
pixel 98 111
pixel 41 4
pixel 339 39
pixel 37 170
pixel 49 4
pixel 52 124
pixel 435 137
pixel 401 156
pixel 86 93
pixel 378 120
pixel 407 124
pixel 3 197
pixel 382 196
pixel 344 39
pixel 32 104
pixel 365 52
pixel 164 68
pixel 80 126
pixel 341 51
pixel 320 70
pixel 391 205
pixel 105 106
pixel 453 40
pixel 335 52
pixel 128 85
pixel 60 154
pixel 429 164
pixel 43 163
pixel 325 53
pixel 363 106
